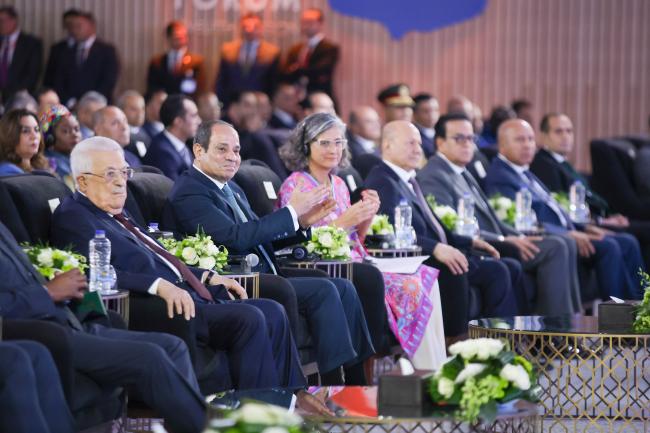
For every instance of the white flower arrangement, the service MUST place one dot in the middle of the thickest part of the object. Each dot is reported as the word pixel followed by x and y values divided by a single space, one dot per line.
pixel 446 214
pixel 50 261
pixel 331 243
pixel 504 208
pixel 481 373
pixel 257 418
pixel 380 226
pixel 198 250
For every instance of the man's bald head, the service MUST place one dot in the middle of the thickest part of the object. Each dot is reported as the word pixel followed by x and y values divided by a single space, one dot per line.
pixel 516 139
pixel 460 104
pixel 111 122
pixel 401 144
pixel 364 122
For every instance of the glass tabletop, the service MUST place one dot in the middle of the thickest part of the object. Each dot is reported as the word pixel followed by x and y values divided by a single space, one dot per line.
pixel 570 324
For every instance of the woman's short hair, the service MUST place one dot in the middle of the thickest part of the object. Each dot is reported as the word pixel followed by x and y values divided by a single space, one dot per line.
pixel 10 131
pixel 295 153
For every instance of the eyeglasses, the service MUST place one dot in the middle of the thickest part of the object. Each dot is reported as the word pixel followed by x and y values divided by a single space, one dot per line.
pixel 111 175
pixel 326 144
pixel 462 139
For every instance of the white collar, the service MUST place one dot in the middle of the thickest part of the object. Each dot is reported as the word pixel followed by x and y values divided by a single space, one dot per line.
pixel 220 185
pixel 14 36
pixel 403 174
pixel 520 169
pixel 176 142
pixel 430 133
pixel 368 145
pixel 559 158
pixel 315 40
pixel 284 116
pixel 178 53
pixel 134 129
pixel 89 42
pixel 457 168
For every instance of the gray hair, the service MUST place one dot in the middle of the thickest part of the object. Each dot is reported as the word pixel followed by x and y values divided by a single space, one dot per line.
pixel 121 101
pixel 90 97
pixel 295 152
pixel 81 158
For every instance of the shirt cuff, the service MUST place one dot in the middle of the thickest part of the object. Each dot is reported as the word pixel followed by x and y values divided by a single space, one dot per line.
pixel 153 288
pixel 294 217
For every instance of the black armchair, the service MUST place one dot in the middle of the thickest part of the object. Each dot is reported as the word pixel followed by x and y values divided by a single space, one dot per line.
pixel 252 179
pixel 149 192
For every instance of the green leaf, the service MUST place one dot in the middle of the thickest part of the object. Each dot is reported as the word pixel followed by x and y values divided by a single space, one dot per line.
pixel 488 412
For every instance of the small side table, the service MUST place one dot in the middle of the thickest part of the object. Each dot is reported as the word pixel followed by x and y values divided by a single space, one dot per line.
pixel 334 268
pixel 118 302
pixel 395 252
pixel 250 282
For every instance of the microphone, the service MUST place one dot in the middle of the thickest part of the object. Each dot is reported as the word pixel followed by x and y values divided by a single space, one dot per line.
pixel 244 262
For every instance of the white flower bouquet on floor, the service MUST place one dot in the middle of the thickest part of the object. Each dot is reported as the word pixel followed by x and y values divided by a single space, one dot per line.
pixel 198 250
pixel 331 243
pixel 258 418
pixel 480 374
pixel 50 261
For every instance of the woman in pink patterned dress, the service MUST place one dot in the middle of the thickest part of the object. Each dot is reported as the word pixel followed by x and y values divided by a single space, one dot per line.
pixel 316 149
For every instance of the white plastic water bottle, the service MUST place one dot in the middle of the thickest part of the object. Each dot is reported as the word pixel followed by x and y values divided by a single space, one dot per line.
pixel 578 209
pixel 524 221
pixel 99 256
pixel 403 214
pixel 466 224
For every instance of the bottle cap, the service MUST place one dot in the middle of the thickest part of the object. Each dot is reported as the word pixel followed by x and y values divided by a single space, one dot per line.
pixel 100 233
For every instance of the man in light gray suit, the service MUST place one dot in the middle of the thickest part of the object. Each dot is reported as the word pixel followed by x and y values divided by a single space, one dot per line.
pixel 550 258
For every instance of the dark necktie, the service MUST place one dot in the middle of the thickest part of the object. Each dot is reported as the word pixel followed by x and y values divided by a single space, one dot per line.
pixel 80 53
pixel 427 210
pixel 481 201
pixel 541 192
pixel 241 216
pixel 185 272
pixel 4 62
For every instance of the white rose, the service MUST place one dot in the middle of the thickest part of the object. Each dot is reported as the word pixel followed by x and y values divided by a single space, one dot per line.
pixel 275 430
pixel 445 387
pixel 212 249
pixel 488 348
pixel 326 240
pixel 254 413
pixel 501 213
pixel 467 349
pixel 189 255
pixel 517 375
pixel 45 257
pixel 207 262
pixel 470 370
pixel 71 262
pixel 504 202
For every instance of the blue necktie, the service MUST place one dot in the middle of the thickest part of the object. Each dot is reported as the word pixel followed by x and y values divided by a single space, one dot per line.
pixel 239 213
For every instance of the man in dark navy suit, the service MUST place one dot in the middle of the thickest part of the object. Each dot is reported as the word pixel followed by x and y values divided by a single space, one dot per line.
pixel 394 180
pixel 254 333
pixel 158 365
pixel 168 150
pixel 20 56
pixel 87 64
pixel 31 393
pixel 617 260
pixel 205 197
pixel 426 112
pixel 111 122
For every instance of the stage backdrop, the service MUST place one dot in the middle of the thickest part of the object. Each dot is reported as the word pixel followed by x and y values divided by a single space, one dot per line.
pixel 589 58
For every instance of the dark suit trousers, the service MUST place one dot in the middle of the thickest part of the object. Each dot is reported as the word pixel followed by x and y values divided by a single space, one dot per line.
pixel 158 365
pixel 454 298
pixel 641 230
pixel 617 260
pixel 30 392
pixel 369 283
pixel 259 347
pixel 494 279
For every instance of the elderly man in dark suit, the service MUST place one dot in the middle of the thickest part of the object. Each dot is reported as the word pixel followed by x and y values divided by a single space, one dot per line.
pixel 205 197
pixel 312 62
pixel 168 150
pixel 250 63
pixel 617 259
pixel 254 333
pixel 158 365
pixel 88 64
pixel 446 178
pixel 177 70
pixel 20 56
pixel 394 180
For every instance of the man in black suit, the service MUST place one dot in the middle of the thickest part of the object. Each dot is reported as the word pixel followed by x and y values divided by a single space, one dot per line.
pixel 425 115
pixel 312 62
pixel 152 125
pixel 205 197
pixel 454 255
pixel 132 104
pixel 250 63
pixel 20 56
pixel 31 393
pixel 285 107
pixel 177 70
pixel 88 64
pixel 552 167
pixel 168 151
pixel 111 122
pixel 158 365
pixel 364 132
